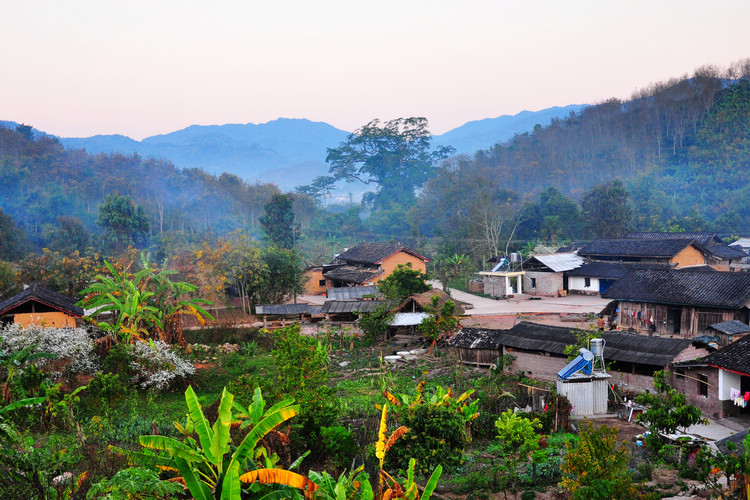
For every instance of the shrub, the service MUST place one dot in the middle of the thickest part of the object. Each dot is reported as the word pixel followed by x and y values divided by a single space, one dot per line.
pixel 597 466
pixel 339 445
pixel 437 436
pixel 73 347
pixel 157 365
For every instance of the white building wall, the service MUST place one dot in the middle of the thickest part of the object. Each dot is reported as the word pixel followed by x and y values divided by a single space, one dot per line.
pixel 727 381
pixel 578 284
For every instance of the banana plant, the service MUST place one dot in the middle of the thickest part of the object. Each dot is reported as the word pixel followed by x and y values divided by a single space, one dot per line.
pixel 388 487
pixel 440 397
pixel 210 467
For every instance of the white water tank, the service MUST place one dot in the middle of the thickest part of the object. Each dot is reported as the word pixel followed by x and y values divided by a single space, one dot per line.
pixel 597 347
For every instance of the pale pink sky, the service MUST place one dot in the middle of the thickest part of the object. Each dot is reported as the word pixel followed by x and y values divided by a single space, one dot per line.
pixel 82 67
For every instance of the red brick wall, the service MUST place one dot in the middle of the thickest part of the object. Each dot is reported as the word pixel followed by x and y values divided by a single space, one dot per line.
pixel 711 406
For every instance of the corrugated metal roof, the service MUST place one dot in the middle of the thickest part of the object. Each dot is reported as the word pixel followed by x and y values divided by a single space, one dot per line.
pixel 350 306
pixel 353 292
pixel 408 319
pixel 560 262
pixel 283 309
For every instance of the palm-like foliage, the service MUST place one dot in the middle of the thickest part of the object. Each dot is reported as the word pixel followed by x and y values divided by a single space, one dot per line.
pixel 210 467
pixel 14 361
pixel 143 305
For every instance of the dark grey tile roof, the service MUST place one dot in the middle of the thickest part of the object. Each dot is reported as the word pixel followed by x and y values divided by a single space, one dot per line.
pixel 353 292
pixel 619 346
pixel 738 440
pixel 44 295
pixel 351 306
pixel 704 239
pixel 731 327
pixel 624 248
pixel 374 253
pixel 734 357
pixel 726 252
pixel 613 270
pixel 725 290
pixel 351 274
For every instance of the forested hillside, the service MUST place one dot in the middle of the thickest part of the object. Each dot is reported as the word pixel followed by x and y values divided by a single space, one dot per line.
pixel 681 148
pixel 676 156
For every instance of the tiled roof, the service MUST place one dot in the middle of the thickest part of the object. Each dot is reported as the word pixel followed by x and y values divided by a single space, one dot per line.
pixel 725 290
pixel 613 270
pixel 734 357
pixel 636 248
pixel 351 274
pixel 726 252
pixel 44 295
pixel 704 239
pixel 619 346
pixel 731 327
pixel 374 253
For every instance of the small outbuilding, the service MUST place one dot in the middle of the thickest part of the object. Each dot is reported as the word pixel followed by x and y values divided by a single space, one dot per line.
pixel 38 305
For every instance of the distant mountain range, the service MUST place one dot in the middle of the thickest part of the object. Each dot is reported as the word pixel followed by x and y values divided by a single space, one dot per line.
pixel 289 152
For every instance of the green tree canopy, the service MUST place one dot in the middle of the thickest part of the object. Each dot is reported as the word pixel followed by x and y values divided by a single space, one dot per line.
pixel 395 155
pixel 124 222
pixel 403 282
pixel 12 238
pixel 278 221
pixel 606 212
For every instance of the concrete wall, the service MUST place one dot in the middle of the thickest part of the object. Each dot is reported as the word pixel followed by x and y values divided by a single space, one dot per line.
pixel 577 284
pixel 547 284
pixel 495 286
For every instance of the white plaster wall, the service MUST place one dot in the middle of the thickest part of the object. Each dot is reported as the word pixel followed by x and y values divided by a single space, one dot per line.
pixel 727 380
pixel 579 283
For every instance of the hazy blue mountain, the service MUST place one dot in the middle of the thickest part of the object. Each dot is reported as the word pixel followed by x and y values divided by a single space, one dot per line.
pixel 289 152
pixel 483 134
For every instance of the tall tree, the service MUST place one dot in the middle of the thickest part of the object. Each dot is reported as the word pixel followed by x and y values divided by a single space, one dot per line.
pixel 395 155
pixel 606 211
pixel 124 222
pixel 12 238
pixel 278 221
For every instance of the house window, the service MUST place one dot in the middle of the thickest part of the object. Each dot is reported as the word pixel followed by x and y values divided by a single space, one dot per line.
pixel 703 385
pixel 586 282
pixel 322 283
pixel 533 282
pixel 680 374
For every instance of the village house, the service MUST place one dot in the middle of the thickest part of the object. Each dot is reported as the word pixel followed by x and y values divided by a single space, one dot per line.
pixel 408 315
pixel 675 252
pixel 368 263
pixel 720 256
pixel 548 274
pixel 718 383
pixel 539 352
pixel 595 278
pixel 315 283
pixel 39 306
pixel 680 303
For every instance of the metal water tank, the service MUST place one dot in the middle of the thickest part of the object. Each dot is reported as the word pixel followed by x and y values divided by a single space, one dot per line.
pixel 597 347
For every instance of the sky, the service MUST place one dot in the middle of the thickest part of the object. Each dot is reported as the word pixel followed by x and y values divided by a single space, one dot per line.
pixel 77 68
